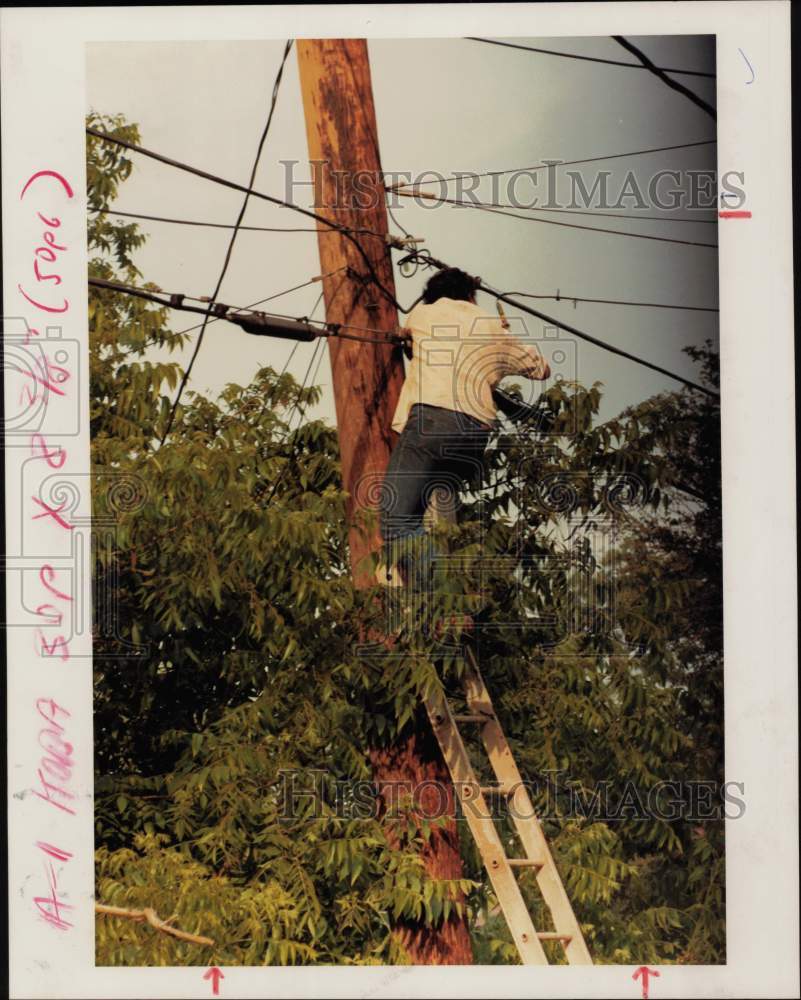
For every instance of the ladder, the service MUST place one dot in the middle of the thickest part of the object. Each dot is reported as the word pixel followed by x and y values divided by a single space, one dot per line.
pixel 473 798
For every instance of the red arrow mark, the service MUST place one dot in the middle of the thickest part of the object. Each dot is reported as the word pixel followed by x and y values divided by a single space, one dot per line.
pixel 645 972
pixel 215 975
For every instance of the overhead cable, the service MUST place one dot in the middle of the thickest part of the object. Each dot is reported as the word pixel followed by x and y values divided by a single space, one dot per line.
pixel 662 75
pixel 595 59
pixel 346 231
pixel 259 323
pixel 552 164
pixel 558 222
pixel 430 261
pixel 188 370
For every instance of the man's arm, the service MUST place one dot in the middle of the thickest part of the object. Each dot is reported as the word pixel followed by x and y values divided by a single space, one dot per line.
pixel 521 359
pixel 517 410
pixel 526 360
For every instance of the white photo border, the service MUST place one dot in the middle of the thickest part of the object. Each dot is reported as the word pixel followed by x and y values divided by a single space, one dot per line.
pixel 43 107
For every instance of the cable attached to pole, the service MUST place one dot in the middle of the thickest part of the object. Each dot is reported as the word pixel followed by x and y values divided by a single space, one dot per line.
pixel 260 324
pixel 503 211
pixel 344 231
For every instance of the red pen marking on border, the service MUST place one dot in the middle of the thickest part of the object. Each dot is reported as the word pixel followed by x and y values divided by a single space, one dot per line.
pixel 734 215
pixel 58 761
pixel 215 975
pixel 646 973
pixel 50 907
pixel 47 173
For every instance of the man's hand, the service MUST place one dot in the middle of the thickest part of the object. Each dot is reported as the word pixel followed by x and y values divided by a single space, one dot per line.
pixel 405 335
pixel 537 368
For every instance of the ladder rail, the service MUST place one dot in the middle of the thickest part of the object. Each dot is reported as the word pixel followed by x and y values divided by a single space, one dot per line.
pixel 482 827
pixel 527 824
pixel 485 834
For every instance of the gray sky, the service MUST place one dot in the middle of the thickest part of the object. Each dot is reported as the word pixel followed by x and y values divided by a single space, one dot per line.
pixel 442 105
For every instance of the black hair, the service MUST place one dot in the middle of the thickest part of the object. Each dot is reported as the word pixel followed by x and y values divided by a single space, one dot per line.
pixel 450 283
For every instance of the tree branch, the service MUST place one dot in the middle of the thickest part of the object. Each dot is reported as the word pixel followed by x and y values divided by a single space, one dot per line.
pixel 151 917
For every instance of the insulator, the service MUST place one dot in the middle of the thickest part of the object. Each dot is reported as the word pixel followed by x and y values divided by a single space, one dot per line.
pixel 262 325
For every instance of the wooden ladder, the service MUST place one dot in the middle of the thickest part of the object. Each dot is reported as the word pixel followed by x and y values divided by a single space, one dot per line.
pixel 473 797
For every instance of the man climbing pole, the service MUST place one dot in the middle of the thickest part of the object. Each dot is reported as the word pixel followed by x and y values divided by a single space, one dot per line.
pixel 446 411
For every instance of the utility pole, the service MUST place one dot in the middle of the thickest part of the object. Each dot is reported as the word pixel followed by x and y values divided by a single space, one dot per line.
pixel 346 171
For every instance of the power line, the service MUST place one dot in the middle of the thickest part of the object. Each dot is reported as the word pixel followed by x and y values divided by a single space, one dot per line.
pixel 295 405
pixel 349 233
pixel 311 319
pixel 281 474
pixel 593 213
pixel 556 222
pixel 175 300
pixel 344 231
pixel 192 222
pixel 534 168
pixel 317 369
pixel 415 255
pixel 229 251
pixel 662 75
pixel 430 261
pixel 172 300
pixel 252 305
pixel 392 215
pixel 335 330
pixel 422 194
pixel 317 303
pixel 238 317
pixel 214 308
pixel 599 343
pixel 566 297
pixel 595 59
pixel 289 358
pixel 225 225
pixel 214 319
pixel 296 409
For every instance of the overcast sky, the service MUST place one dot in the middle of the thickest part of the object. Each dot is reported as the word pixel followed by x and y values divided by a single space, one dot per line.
pixel 442 105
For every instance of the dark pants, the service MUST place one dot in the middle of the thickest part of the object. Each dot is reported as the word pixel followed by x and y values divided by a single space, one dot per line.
pixel 437 449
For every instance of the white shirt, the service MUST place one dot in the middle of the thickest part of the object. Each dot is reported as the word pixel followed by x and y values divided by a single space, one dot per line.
pixel 459 355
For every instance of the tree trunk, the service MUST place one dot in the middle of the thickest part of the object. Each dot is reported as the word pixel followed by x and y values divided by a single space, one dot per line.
pixel 414 767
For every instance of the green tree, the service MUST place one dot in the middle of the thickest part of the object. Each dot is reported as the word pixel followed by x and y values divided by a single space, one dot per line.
pixel 235 706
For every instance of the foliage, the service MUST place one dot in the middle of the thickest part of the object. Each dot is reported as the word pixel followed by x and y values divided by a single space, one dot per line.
pixel 234 704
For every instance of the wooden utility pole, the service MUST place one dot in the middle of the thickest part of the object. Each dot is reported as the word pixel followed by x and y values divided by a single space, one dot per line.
pixel 346 170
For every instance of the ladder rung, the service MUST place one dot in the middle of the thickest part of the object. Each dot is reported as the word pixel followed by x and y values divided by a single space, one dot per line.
pixel 477 708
